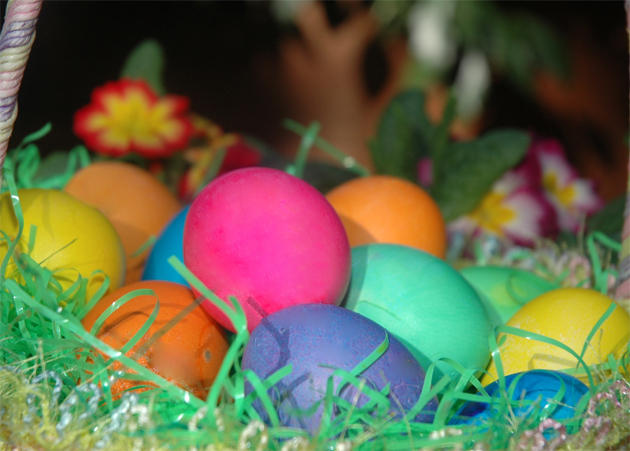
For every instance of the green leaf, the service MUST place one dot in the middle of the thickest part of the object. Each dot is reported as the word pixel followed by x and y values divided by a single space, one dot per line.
pixel 441 135
pixel 403 136
pixel 146 61
pixel 609 220
pixel 469 169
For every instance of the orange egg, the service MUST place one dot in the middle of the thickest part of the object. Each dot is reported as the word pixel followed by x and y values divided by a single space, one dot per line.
pixel 135 202
pixel 189 354
pixel 388 209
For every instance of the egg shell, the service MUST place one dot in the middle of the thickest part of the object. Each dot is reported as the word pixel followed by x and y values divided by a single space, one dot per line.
pixel 423 301
pixel 505 290
pixel 191 351
pixel 310 337
pixel 169 243
pixel 137 204
pixel 567 315
pixel 72 237
pixel 267 238
pixel 388 209
pixel 539 386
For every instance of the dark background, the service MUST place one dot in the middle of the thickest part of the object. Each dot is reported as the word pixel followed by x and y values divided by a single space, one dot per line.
pixel 212 49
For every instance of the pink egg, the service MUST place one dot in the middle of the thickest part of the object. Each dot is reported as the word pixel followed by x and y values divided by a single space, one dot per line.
pixel 269 239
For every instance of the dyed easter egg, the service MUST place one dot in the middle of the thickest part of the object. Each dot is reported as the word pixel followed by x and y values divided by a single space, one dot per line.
pixel 137 204
pixel 504 290
pixel 423 301
pixel 317 339
pixel 267 238
pixel 170 242
pixel 72 238
pixel 567 315
pixel 190 352
pixel 388 209
pixel 555 392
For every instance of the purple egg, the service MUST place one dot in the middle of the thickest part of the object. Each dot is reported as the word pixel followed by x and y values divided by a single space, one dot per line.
pixel 313 338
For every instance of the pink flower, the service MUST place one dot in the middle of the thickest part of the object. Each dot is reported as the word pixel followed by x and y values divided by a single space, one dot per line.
pixel 573 198
pixel 539 197
pixel 513 209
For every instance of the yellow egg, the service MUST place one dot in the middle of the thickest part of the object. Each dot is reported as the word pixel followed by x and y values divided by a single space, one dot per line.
pixel 72 238
pixel 567 315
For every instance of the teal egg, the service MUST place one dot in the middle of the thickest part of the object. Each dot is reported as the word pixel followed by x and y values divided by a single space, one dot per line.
pixel 505 290
pixel 423 301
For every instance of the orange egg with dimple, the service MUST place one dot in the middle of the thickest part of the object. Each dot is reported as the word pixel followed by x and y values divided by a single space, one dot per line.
pixel 190 351
pixel 138 205
pixel 388 209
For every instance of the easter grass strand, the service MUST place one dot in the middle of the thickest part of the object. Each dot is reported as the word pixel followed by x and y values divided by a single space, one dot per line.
pixel 538 337
pixel 230 361
pixel 598 325
pixel 306 143
pixel 266 384
pixel 19 215
pixel 347 161
pixel 97 296
pixel 98 324
pixel 238 321
pixel 540 412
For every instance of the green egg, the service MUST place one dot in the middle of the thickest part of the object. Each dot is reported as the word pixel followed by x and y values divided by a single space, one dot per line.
pixel 505 290
pixel 423 302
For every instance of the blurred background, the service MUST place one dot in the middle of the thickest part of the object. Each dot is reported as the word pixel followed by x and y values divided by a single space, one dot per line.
pixel 559 69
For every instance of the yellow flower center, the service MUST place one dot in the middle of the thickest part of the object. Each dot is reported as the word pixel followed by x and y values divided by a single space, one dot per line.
pixel 564 195
pixel 491 214
pixel 133 118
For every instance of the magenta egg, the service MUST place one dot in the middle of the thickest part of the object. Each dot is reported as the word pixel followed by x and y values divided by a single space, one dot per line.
pixel 269 239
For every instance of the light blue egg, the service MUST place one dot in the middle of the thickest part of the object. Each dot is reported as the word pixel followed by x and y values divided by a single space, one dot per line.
pixel 423 301
pixel 170 242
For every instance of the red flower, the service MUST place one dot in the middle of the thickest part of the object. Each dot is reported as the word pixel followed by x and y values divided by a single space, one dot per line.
pixel 126 116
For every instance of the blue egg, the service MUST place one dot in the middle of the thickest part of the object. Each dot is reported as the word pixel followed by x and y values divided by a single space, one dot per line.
pixel 317 338
pixel 537 386
pixel 170 242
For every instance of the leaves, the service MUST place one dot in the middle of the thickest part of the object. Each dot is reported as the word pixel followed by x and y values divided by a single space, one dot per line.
pixel 403 136
pixel 463 171
pixel 470 168
pixel 146 61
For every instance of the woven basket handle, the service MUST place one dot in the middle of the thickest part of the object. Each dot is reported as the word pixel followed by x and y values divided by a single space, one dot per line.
pixel 16 40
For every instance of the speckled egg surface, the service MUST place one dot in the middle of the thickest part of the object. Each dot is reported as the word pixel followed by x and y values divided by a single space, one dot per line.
pixel 311 336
